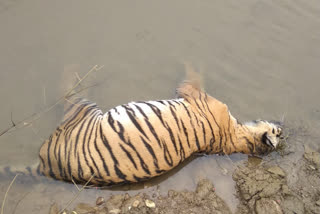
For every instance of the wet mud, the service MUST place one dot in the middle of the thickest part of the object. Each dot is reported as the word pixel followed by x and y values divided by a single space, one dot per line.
pixel 260 187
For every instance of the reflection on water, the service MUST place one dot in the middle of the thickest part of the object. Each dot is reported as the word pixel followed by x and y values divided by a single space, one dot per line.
pixel 259 57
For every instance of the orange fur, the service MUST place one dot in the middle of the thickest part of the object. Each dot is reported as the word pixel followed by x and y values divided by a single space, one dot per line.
pixel 140 140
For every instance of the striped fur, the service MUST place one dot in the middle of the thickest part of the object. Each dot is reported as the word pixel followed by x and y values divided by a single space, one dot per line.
pixel 141 140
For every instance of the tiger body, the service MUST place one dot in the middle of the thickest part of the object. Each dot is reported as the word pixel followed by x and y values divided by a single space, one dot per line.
pixel 135 141
pixel 141 140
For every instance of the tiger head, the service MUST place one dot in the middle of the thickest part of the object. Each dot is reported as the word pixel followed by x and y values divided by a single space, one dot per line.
pixel 266 133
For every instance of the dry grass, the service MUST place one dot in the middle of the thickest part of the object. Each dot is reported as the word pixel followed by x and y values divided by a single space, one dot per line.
pixel 30 119
pixel 6 194
pixel 76 196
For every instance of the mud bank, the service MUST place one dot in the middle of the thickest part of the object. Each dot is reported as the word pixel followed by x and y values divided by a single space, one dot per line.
pixel 202 200
pixel 264 189
pixel 261 189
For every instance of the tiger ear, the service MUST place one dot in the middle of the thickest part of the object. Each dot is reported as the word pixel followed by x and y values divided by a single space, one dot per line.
pixel 191 86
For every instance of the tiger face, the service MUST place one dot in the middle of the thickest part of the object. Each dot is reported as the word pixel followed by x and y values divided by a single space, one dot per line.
pixel 268 132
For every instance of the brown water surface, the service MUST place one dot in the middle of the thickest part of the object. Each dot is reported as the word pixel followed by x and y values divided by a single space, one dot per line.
pixel 261 57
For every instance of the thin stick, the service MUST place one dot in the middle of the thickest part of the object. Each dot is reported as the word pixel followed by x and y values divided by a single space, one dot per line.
pixel 17 204
pixel 36 116
pixel 77 75
pixel 44 96
pixel 76 196
pixel 75 184
pixel 5 195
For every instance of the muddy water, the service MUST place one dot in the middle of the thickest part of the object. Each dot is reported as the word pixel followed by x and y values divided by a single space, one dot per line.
pixel 259 57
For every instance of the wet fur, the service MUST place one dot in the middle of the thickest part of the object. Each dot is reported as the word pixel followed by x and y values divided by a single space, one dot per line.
pixel 141 140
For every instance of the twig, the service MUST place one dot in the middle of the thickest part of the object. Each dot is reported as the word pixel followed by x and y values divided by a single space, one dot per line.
pixel 17 204
pixel 44 96
pixel 78 91
pixel 5 195
pixel 13 124
pixel 77 76
pixel 75 184
pixel 36 116
pixel 76 196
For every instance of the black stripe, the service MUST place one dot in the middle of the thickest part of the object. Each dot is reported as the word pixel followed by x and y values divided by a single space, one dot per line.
pixel 176 101
pixel 42 162
pixel 166 154
pixel 73 103
pixel 143 165
pixel 76 120
pixel 157 112
pixel 115 161
pixel 185 132
pixel 80 170
pixel 69 161
pixel 51 174
pixel 116 110
pixel 146 119
pixel 225 137
pixel 93 116
pixel 160 171
pixel 161 101
pixel 204 132
pixel 84 122
pixel 197 140
pixel 182 152
pixel 198 105
pixel 204 115
pixel 196 118
pixel 250 145
pixel 105 167
pixel 71 121
pixel 172 138
pixel 132 116
pixel 59 163
pixel 206 98
pixel 175 117
pixel 79 106
pixel 58 133
pixel 129 156
pixel 171 104
pixel 192 125
pixel 120 133
pixel 97 117
pixel 200 98
pixel 150 150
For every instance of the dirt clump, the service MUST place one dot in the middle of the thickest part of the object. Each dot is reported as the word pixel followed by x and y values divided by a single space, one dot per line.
pixel 202 200
pixel 264 189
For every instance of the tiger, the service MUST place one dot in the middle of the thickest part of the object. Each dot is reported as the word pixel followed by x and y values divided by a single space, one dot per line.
pixel 140 140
